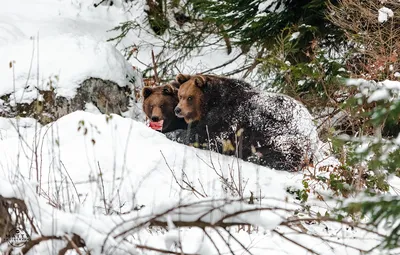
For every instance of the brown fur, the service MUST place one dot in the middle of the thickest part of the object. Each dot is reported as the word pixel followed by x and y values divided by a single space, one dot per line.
pixel 190 100
pixel 191 96
pixel 159 104
pixel 262 127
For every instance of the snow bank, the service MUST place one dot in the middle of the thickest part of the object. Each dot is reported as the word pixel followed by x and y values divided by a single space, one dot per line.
pixel 24 19
pixel 59 44
pixel 62 63
pixel 79 18
pixel 132 157
pixel 89 161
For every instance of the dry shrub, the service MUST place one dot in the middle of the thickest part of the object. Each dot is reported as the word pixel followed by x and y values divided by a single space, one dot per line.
pixel 376 44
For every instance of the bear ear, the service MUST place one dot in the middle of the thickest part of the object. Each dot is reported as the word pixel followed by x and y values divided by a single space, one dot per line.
pixel 175 84
pixel 200 81
pixel 168 90
pixel 146 92
pixel 182 78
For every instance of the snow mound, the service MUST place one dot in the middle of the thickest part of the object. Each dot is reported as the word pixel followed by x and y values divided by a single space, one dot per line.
pixel 62 63
pixel 132 160
pixel 93 164
pixel 23 19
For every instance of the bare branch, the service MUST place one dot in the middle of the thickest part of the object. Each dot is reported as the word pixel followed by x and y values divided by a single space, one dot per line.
pixel 162 251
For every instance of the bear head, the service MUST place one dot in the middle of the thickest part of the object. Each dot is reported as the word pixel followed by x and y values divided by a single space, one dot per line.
pixel 159 104
pixel 191 97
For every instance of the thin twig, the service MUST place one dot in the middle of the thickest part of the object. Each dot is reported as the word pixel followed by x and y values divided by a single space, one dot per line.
pixel 102 188
pixel 156 78
pixel 162 251
pixel 73 184
pixel 191 187
pixel 294 242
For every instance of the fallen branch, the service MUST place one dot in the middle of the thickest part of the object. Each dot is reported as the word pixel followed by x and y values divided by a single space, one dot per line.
pixel 162 251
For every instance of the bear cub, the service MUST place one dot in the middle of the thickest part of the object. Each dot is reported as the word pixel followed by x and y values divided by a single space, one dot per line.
pixel 159 104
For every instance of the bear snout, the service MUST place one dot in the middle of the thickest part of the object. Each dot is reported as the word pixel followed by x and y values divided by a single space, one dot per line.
pixel 178 111
pixel 155 118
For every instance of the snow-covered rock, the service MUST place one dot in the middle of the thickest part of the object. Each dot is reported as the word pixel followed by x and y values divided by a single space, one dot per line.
pixel 51 77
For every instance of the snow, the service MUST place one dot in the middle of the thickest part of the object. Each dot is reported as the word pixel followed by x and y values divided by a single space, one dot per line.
pixel 384 13
pixel 135 175
pixel 64 62
pixel 378 95
pixel 95 231
pixel 294 36
pixel 143 178
pixel 375 91
pixel 362 148
pixel 391 85
pixel 270 6
pixel 78 21
pixel 93 170
pixel 146 148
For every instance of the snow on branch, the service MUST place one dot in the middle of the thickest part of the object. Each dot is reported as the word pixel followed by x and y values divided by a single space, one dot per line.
pixel 106 233
pixel 376 91
pixel 109 234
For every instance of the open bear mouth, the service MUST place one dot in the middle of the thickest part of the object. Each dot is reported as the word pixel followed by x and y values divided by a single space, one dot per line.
pixel 156 125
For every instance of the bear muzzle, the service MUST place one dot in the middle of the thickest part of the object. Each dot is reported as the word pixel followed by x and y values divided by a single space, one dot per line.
pixel 178 112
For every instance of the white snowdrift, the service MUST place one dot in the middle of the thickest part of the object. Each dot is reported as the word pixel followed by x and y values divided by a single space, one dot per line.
pixel 132 157
pixel 24 19
pixel 99 231
pixel 64 62
pixel 137 167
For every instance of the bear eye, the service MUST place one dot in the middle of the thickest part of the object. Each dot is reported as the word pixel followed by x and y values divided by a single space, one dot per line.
pixel 161 106
pixel 190 98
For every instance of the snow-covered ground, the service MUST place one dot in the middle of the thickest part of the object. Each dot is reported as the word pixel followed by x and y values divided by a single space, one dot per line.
pixel 87 164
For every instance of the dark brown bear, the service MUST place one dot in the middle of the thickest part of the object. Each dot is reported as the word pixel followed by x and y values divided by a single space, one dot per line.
pixel 158 105
pixel 229 115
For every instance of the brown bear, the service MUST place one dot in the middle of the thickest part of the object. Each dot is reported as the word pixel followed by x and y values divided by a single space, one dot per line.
pixel 229 115
pixel 159 104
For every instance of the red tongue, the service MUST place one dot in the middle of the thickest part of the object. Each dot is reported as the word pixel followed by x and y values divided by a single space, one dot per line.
pixel 156 125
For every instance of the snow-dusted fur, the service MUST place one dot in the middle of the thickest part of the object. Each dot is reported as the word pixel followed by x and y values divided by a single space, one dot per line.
pixel 278 127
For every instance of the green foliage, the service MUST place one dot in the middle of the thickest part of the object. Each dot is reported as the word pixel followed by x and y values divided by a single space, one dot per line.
pixel 300 194
pixel 187 26
pixel 317 80
pixel 378 148
pixel 378 104
pixel 257 23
